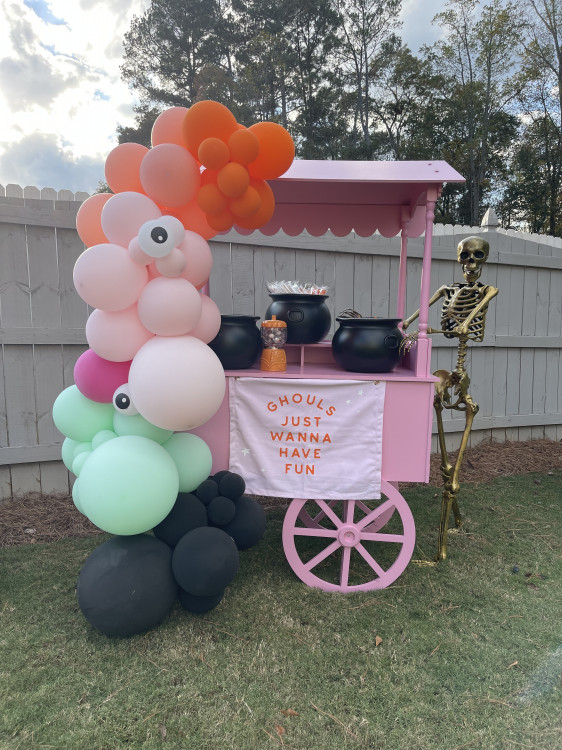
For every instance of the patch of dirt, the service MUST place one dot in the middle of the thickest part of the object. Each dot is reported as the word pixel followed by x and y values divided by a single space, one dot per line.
pixel 34 518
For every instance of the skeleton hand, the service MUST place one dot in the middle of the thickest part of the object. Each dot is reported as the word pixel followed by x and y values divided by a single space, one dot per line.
pixel 461 330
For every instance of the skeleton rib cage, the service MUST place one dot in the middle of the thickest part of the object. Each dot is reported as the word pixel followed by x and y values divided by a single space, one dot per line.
pixel 460 300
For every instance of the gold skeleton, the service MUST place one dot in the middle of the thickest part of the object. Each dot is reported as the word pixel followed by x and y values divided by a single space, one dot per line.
pixel 463 316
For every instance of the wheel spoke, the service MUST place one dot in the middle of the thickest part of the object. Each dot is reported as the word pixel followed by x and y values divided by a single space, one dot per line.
pixel 329 512
pixel 300 531
pixel 344 567
pixel 369 560
pixel 374 536
pixel 374 514
pixel 317 559
pixel 349 511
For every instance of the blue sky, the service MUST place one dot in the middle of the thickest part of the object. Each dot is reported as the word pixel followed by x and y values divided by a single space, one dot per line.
pixel 61 96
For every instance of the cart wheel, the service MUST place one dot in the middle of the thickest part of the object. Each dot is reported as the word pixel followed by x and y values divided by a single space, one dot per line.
pixel 337 545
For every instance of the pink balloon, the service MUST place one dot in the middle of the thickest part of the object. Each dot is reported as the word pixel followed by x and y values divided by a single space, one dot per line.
pixel 124 214
pixel 97 378
pixel 199 259
pixel 209 321
pixel 137 253
pixel 116 336
pixel 176 383
pixel 171 265
pixel 107 277
pixel 170 175
pixel 167 127
pixel 169 307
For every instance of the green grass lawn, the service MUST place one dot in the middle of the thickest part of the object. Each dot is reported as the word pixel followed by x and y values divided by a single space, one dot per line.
pixel 470 655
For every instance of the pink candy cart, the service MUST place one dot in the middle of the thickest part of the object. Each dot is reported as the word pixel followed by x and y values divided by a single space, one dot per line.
pixel 358 545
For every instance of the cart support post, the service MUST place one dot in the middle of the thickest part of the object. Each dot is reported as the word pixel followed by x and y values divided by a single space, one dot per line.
pixel 402 275
pixel 423 348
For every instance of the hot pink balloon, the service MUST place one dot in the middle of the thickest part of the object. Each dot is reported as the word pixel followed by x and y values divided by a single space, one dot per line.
pixel 209 321
pixel 170 175
pixel 199 259
pixel 124 214
pixel 167 127
pixel 116 336
pixel 176 383
pixel 107 277
pixel 97 378
pixel 169 307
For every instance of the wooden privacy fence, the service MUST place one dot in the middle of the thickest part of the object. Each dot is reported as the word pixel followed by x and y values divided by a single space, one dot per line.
pixel 516 371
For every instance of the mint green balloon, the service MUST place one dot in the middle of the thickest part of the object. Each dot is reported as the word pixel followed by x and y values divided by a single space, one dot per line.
pixel 67 452
pixel 137 425
pixel 79 418
pixel 128 485
pixel 192 457
pixel 102 437
pixel 80 460
pixel 76 497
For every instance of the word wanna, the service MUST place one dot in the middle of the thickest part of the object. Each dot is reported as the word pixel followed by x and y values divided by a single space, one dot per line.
pixel 302 437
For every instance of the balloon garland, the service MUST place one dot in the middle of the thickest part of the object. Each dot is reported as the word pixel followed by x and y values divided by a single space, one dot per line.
pixel 149 375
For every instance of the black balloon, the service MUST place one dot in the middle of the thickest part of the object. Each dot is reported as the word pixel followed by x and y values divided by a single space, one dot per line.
pixel 187 514
pixel 205 561
pixel 221 510
pixel 219 475
pixel 207 490
pixel 248 525
pixel 232 485
pixel 199 604
pixel 126 585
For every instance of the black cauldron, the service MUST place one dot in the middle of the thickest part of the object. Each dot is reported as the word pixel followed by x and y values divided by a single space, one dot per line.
pixel 307 316
pixel 238 343
pixel 367 344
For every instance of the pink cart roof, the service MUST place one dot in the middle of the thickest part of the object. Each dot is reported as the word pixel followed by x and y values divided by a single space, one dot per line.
pixel 364 196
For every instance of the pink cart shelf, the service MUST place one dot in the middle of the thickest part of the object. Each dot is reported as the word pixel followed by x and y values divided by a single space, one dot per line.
pixel 352 545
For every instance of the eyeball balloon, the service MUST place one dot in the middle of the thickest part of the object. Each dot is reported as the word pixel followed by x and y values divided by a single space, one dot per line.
pixel 122 401
pixel 158 237
pixel 177 383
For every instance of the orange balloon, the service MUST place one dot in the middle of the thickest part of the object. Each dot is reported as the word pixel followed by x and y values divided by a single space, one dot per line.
pixel 213 153
pixel 207 119
pixel 167 127
pixel 211 200
pixel 209 177
pixel 277 151
pixel 233 180
pixel 247 205
pixel 170 175
pixel 264 212
pixel 122 167
pixel 223 222
pixel 88 220
pixel 194 219
pixel 244 146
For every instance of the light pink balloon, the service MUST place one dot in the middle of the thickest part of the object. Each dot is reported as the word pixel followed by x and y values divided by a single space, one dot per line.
pixel 173 264
pixel 176 383
pixel 209 321
pixel 124 214
pixel 170 175
pixel 168 127
pixel 137 253
pixel 97 378
pixel 199 259
pixel 169 307
pixel 106 276
pixel 116 336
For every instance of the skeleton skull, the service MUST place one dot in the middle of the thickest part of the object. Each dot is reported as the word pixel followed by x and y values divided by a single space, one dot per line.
pixel 472 253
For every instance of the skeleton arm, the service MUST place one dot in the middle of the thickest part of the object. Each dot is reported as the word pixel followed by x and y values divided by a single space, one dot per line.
pixel 434 298
pixel 491 292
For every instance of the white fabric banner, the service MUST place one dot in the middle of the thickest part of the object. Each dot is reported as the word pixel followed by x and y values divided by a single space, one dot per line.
pixel 314 439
